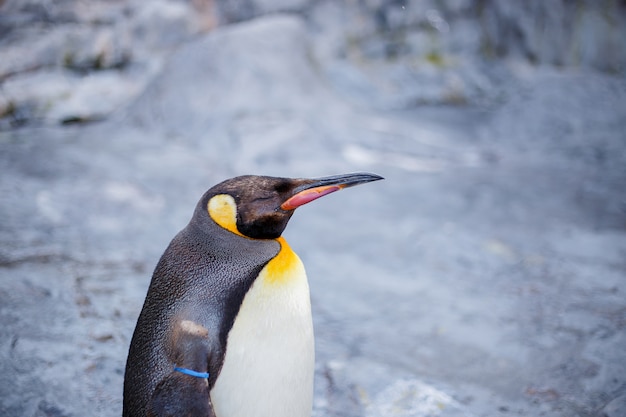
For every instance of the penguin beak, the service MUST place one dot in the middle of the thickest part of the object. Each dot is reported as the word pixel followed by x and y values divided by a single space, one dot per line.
pixel 310 190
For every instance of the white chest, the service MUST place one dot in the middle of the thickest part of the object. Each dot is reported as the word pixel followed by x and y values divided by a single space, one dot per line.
pixel 268 367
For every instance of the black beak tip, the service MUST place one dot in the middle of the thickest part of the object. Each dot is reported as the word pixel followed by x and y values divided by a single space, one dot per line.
pixel 342 181
pixel 360 178
pixel 374 177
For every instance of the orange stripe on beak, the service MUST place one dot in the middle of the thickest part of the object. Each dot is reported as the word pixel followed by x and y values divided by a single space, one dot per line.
pixel 306 196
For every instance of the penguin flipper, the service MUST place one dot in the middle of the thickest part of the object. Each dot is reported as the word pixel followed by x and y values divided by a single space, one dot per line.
pixel 180 395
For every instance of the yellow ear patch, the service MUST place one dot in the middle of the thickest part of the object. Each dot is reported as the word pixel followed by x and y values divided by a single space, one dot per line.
pixel 223 210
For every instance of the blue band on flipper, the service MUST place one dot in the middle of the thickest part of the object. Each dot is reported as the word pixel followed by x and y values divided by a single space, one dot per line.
pixel 192 373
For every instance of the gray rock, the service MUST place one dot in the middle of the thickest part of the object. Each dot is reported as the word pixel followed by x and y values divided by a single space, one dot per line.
pixel 484 276
pixel 615 408
pixel 562 33
pixel 101 57
pixel 59 96
pixel 394 54
pixel 231 11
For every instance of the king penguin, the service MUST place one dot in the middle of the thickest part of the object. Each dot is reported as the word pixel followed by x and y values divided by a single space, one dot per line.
pixel 226 327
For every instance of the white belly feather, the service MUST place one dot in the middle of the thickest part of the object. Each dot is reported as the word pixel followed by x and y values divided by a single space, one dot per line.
pixel 268 367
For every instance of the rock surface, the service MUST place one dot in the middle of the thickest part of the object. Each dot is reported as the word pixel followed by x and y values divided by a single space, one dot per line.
pixel 485 276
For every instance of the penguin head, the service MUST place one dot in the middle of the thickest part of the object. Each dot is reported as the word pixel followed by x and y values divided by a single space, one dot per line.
pixel 260 207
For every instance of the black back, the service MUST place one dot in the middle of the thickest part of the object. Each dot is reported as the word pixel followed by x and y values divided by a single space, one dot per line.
pixel 203 276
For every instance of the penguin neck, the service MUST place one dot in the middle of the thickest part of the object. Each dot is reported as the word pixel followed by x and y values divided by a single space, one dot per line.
pixel 223 210
pixel 280 268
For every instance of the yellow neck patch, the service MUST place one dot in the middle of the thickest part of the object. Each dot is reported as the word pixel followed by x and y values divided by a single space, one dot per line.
pixel 283 266
pixel 223 210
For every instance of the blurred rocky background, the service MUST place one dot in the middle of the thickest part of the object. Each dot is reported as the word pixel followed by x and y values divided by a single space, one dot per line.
pixel 74 61
pixel 485 277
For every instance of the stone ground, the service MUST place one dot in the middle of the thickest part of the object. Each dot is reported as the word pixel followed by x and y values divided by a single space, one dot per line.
pixel 486 276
